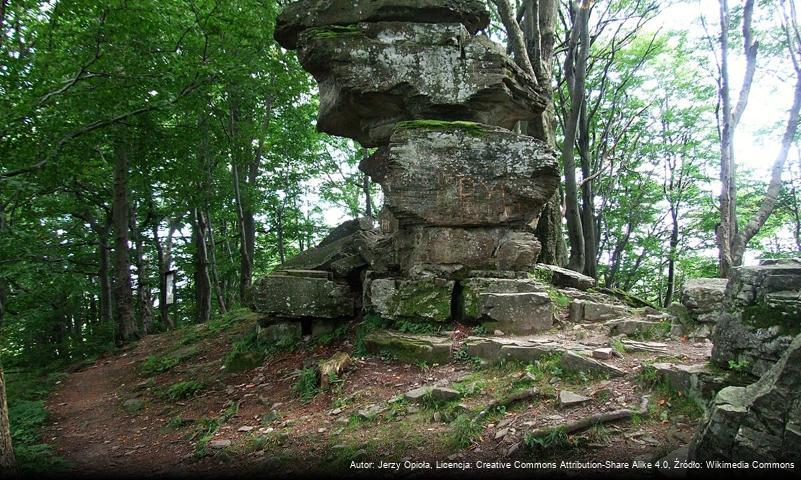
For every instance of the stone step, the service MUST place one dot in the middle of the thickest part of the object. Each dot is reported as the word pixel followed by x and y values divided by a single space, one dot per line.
pixel 572 358
pixel 585 311
pixel 408 347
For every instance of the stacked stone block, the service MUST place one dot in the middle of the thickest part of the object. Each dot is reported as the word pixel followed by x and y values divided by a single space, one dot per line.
pixel 463 192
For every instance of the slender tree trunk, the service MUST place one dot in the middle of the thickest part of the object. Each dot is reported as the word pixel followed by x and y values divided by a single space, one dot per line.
pixel 143 294
pixel 8 463
pixel 729 118
pixel 575 69
pixel 674 244
pixel 202 281
pixel 587 197
pixel 279 226
pixel 104 275
pixel 123 302
pixel 214 275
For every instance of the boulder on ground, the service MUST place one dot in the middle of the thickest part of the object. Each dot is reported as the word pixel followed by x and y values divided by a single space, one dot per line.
pixel 306 14
pixel 408 347
pixel 433 392
pixel 761 422
pixel 463 174
pixel 374 75
pixel 424 299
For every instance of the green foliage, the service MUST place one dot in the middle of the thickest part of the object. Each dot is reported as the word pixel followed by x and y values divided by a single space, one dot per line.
pixel 27 414
pixel 417 327
pixel 307 385
pixel 246 354
pixel 556 438
pixel 546 367
pixel 370 323
pixel 464 430
pixel 182 390
pixel 739 365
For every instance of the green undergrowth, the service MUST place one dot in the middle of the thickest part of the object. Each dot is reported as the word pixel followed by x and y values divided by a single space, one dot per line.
pixel 153 365
pixel 182 390
pixel 306 386
pixel 207 427
pixel 26 393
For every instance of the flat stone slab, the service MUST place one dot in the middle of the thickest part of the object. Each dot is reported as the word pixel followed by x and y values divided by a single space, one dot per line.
pixel 562 277
pixel 603 353
pixel 306 14
pixel 579 363
pixel 425 299
pixel 408 347
pixel 630 326
pixel 569 399
pixel 462 174
pixel 301 297
pixel 436 393
pixel 584 311
pixel 374 75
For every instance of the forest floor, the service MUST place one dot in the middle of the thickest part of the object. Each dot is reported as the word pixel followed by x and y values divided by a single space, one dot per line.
pixel 168 406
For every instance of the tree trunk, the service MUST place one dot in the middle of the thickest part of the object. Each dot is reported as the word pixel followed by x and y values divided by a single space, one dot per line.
pixel 201 264
pixel 674 244
pixel 8 463
pixel 728 120
pixel 587 197
pixel 123 301
pixel 215 277
pixel 575 70
pixel 104 275
pixel 143 293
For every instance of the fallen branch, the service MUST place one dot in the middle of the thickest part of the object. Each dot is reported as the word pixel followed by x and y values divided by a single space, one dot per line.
pixel 592 420
pixel 506 401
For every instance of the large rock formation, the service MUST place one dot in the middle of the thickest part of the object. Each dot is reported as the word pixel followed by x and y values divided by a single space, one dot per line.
pixel 372 75
pixel 761 422
pixel 761 315
pixel 463 192
pixel 299 16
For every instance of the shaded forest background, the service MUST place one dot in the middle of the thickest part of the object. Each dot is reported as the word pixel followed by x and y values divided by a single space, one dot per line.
pixel 144 137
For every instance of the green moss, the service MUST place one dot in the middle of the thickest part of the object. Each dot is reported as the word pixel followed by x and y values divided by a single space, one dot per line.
pixel 182 390
pixel 333 31
pixel 765 316
pixel 422 299
pixel 470 304
pixel 470 128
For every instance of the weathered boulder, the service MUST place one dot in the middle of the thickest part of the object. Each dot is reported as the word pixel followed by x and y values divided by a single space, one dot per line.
pixel 703 297
pixel 286 296
pixel 473 288
pixel 304 15
pixel 761 315
pixel 700 381
pixel 515 306
pixel 464 175
pixel 587 311
pixel 455 252
pixel 280 333
pixel 562 277
pixel 373 75
pixel 408 347
pixel 423 299
pixel 516 313
pixel 433 392
pixel 761 422
pixel 568 399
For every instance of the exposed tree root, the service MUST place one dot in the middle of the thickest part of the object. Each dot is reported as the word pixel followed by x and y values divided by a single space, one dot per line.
pixel 592 420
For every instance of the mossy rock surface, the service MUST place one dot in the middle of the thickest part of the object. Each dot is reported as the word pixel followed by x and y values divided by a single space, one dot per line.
pixel 409 348
pixel 241 361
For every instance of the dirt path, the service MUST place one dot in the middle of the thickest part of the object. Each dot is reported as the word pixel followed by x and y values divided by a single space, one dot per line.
pixel 91 430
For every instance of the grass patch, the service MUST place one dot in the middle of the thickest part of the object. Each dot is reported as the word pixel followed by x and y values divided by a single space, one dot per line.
pixel 182 390
pixel 464 430
pixel 154 365
pixel 306 387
